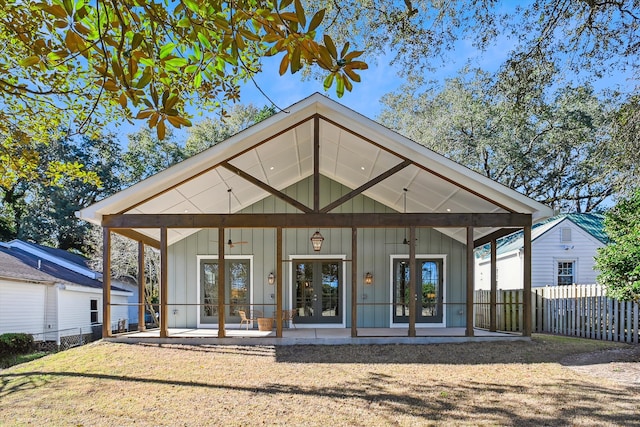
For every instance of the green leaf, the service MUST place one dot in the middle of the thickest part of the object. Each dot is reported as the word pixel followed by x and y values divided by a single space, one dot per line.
pixel 339 85
pixel 295 60
pixel 204 40
pixel 145 78
pixel 345 49
pixel 285 3
pixel 302 19
pixel 184 23
pixel 330 47
pixel 176 62
pixel 328 81
pixel 166 50
pixel 316 20
pixel 137 40
pixel 32 60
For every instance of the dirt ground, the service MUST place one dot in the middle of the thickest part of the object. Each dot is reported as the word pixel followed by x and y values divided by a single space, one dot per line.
pixel 620 364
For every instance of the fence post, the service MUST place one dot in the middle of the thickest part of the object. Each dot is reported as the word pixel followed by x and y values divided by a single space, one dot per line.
pixel 635 323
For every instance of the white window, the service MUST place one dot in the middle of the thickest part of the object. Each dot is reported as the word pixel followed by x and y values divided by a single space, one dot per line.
pixel 566 273
pixel 93 311
pixel 565 234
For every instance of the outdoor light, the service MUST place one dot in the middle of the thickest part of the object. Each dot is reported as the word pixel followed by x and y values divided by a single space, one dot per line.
pixel 271 278
pixel 368 279
pixel 316 241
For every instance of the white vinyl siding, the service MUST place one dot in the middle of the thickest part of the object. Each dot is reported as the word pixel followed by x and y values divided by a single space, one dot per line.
pixel 546 251
pixel 74 309
pixel 22 307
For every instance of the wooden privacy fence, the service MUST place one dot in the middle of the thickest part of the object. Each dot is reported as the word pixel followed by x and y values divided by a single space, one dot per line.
pixel 575 310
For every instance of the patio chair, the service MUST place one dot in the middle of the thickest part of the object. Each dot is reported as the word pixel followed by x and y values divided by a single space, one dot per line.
pixel 245 319
pixel 289 316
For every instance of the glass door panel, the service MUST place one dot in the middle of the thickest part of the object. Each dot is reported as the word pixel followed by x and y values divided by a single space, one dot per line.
pixel 237 288
pixel 428 299
pixel 318 291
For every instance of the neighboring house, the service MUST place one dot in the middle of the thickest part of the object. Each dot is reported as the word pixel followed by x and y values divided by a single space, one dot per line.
pixel 562 253
pixel 50 293
pixel 316 170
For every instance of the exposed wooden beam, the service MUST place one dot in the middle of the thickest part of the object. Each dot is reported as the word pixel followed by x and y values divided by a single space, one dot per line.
pixel 527 282
pixel 139 237
pixel 221 283
pixel 314 220
pixel 106 282
pixel 164 284
pixel 141 288
pixel 494 287
pixel 493 236
pixel 279 280
pixel 354 282
pixel 469 282
pixel 331 206
pixel 255 181
pixel 413 273
pixel 316 163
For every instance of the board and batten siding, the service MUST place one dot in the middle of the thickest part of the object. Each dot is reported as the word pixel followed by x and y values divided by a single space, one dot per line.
pixel 23 306
pixel 375 247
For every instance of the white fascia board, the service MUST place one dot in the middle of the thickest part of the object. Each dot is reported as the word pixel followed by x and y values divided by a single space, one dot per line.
pixel 19 244
pixel 90 290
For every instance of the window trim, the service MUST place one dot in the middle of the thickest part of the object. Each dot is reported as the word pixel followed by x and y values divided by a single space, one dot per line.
pixel 93 311
pixel 574 271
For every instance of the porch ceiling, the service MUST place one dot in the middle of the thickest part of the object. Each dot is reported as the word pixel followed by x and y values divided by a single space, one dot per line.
pixel 279 152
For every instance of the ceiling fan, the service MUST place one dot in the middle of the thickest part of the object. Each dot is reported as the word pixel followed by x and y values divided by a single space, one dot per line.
pixel 405 241
pixel 230 242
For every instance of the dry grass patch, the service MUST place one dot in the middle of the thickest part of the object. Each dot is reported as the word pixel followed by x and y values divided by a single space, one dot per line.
pixel 500 383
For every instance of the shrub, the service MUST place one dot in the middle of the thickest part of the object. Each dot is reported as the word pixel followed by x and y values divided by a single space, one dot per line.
pixel 13 343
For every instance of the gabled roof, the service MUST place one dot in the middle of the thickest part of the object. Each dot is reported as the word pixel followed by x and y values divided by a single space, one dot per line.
pixel 279 152
pixel 592 223
pixel 20 265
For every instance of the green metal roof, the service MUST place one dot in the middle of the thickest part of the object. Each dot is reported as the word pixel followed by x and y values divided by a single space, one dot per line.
pixel 592 223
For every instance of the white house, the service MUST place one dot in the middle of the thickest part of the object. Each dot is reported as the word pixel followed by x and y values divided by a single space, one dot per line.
pixel 562 252
pixel 48 293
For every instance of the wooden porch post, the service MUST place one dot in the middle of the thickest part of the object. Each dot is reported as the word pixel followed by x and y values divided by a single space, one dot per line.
pixel 494 286
pixel 413 294
pixel 354 282
pixel 469 308
pixel 164 285
pixel 279 271
pixel 527 329
pixel 141 288
pixel 106 282
pixel 221 282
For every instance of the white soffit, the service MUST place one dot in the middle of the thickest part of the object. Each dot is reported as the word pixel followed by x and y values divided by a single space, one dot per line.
pixel 279 152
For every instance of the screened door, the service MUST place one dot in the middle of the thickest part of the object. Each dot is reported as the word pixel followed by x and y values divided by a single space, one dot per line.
pixel 427 302
pixel 318 291
pixel 237 290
